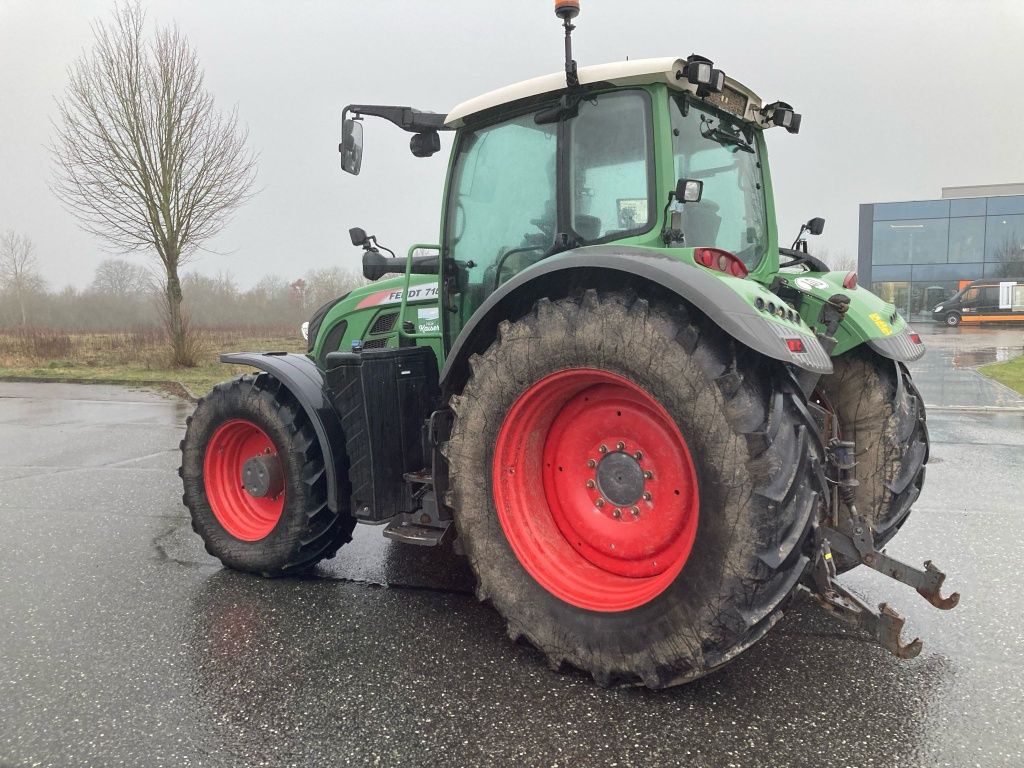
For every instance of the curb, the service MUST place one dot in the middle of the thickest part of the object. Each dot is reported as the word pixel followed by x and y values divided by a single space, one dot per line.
pixel 175 388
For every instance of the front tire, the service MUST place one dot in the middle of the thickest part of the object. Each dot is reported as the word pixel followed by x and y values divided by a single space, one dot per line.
pixel 881 411
pixel 255 481
pixel 953 319
pixel 715 475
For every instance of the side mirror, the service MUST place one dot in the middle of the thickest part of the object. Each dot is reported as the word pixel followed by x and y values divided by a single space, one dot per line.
pixel 816 225
pixel 351 146
pixel 689 190
pixel 425 143
pixel 358 236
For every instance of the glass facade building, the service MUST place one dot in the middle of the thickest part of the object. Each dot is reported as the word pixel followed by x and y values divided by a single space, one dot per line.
pixel 917 253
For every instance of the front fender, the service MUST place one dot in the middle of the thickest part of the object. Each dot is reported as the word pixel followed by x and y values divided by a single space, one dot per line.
pixel 305 382
pixel 869 320
pixel 728 301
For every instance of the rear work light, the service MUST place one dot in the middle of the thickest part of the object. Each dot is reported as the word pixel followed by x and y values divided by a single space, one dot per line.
pixel 850 281
pixel 721 261
pixel 795 345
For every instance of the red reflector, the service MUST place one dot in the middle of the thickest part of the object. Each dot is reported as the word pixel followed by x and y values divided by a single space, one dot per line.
pixel 850 281
pixel 795 345
pixel 916 338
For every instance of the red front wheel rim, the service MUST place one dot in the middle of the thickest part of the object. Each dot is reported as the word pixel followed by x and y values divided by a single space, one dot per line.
pixel 243 515
pixel 595 489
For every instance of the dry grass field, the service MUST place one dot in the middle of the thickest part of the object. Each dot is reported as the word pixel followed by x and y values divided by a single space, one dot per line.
pixel 134 357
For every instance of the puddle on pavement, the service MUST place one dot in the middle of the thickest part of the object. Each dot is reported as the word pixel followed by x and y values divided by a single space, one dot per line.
pixel 974 357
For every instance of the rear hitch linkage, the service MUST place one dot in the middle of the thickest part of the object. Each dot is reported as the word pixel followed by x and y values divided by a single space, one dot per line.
pixel 852 536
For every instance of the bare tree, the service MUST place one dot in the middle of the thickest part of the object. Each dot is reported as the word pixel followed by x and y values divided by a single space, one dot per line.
pixel 120 278
pixel 841 261
pixel 18 269
pixel 143 157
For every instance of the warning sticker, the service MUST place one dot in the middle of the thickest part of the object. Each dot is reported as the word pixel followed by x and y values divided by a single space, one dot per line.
pixel 878 320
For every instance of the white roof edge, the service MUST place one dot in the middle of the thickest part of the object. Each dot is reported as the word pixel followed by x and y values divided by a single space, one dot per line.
pixel 634 72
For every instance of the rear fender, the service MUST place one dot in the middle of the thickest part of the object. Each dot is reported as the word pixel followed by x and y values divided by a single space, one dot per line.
pixel 305 382
pixel 728 301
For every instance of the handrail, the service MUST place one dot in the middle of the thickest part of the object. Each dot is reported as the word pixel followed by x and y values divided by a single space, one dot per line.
pixel 405 291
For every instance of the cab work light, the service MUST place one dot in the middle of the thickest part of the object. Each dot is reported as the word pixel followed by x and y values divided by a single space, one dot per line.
pixel 780 113
pixel 700 71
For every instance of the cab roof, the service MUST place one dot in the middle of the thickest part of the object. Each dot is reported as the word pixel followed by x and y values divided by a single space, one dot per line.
pixel 736 98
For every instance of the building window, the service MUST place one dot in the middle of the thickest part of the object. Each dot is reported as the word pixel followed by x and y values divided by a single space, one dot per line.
pixel 1004 246
pixel 916 299
pixel 966 240
pixel 910 241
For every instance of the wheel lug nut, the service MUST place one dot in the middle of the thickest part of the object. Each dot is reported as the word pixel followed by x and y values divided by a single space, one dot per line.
pixel 591 463
pixel 638 455
pixel 616 513
pixel 635 511
pixel 602 449
pixel 647 495
pixel 620 445
pixel 590 483
pixel 649 475
pixel 599 503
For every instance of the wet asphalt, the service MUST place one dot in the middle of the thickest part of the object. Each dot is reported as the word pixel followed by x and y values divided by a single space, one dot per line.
pixel 122 643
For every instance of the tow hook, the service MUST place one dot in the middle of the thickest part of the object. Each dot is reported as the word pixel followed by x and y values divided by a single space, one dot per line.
pixel 851 535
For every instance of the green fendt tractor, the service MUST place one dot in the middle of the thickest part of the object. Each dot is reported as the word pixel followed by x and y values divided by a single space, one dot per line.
pixel 644 422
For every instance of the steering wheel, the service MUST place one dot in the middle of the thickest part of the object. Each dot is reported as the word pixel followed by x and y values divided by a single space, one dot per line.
pixel 799 257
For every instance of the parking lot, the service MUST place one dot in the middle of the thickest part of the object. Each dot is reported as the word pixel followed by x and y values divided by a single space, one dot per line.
pixel 123 643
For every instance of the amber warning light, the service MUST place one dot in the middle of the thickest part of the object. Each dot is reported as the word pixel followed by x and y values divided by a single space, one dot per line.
pixel 567 9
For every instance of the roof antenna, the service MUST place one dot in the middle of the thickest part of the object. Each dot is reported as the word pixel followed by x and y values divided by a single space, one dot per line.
pixel 567 10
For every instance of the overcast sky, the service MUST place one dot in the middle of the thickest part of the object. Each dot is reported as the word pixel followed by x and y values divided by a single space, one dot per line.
pixel 899 99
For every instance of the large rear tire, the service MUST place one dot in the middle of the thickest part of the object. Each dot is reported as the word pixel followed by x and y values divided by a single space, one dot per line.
pixel 255 482
pixel 881 411
pixel 702 447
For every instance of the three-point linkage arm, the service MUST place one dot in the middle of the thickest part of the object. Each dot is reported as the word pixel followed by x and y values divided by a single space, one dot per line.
pixel 406 118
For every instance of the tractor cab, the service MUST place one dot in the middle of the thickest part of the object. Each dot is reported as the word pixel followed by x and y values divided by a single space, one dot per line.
pixel 657 153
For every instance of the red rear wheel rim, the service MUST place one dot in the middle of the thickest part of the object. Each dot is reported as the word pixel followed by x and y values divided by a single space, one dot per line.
pixel 244 516
pixel 595 489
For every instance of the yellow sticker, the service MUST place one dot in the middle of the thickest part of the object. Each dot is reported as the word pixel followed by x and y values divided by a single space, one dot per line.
pixel 882 325
pixel 828 555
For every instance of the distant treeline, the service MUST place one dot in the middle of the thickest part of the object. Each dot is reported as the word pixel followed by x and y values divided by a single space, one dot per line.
pixel 123 295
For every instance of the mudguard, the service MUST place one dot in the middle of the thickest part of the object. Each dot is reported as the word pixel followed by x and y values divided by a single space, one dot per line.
pixel 306 383
pixel 869 320
pixel 726 300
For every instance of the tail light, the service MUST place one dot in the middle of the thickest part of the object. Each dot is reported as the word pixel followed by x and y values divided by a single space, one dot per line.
pixel 850 281
pixel 721 261
pixel 915 338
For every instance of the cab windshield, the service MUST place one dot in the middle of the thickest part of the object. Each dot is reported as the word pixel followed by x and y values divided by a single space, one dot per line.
pixel 722 152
